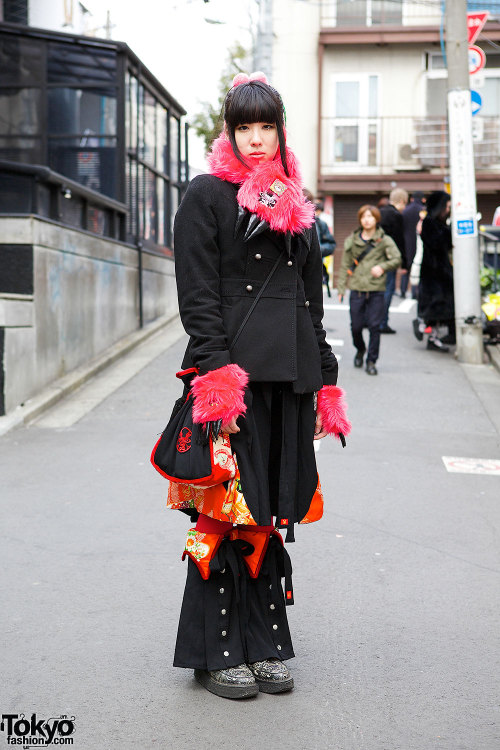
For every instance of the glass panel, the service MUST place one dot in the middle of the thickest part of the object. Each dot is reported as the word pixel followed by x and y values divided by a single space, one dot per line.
pixel 140 121
pixel 387 11
pixel 25 150
pixel 160 202
pixel 140 200
pixel 71 211
pixel 15 194
pixel 91 161
pixel 174 149
pixel 75 64
pixel 97 221
pixel 21 61
pixel 174 198
pixel 372 145
pixel 490 95
pixel 161 139
pixel 89 112
pixel 351 12
pixel 131 113
pixel 149 128
pixel 347 99
pixel 131 188
pixel 346 143
pixel 150 207
pixel 436 96
pixel 20 112
pixel 373 96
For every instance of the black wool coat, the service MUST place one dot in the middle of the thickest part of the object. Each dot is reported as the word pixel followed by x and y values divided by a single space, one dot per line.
pixel 219 275
pixel 435 297
pixel 392 224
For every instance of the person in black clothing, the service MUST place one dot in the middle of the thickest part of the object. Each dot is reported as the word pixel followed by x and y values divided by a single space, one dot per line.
pixel 392 224
pixel 327 242
pixel 411 217
pixel 436 304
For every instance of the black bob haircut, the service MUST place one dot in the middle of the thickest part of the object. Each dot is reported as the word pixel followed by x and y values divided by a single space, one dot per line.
pixel 254 101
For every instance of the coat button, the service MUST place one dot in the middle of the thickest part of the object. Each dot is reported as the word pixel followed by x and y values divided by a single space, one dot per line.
pixel 271 606
pixel 258 256
pixel 224 632
pixel 221 591
pixel 279 648
pixel 249 288
pixel 223 611
pixel 226 653
pixel 275 627
pixel 307 301
pixel 290 263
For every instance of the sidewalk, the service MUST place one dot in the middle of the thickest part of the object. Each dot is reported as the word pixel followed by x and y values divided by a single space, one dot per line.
pixel 397 617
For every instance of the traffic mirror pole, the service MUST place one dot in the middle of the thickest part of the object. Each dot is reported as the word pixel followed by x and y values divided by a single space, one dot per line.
pixel 463 188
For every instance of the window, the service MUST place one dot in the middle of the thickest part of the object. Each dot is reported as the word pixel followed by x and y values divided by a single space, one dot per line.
pixel 354 124
pixel 369 12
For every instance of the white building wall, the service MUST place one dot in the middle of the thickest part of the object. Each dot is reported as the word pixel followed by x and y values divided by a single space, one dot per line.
pixel 295 76
pixel 70 16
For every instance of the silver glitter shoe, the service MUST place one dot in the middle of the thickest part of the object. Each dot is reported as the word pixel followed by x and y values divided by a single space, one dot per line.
pixel 272 676
pixel 233 682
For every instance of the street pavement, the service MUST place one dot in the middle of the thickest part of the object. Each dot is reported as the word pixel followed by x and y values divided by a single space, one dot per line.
pixel 396 622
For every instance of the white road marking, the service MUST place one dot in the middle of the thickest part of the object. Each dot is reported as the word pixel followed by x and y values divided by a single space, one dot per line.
pixel 335 342
pixel 406 306
pixel 317 445
pixel 455 464
pixel 81 402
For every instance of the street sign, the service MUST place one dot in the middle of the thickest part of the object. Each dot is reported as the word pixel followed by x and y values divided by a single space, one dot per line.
pixel 478 129
pixel 476 101
pixel 475 23
pixel 477 59
pixel 463 179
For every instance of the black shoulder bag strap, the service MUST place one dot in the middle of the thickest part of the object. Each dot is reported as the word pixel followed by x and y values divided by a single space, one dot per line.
pixel 257 298
pixel 361 256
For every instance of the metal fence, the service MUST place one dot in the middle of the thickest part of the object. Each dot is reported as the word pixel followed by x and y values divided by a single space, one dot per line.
pixel 339 13
pixel 400 143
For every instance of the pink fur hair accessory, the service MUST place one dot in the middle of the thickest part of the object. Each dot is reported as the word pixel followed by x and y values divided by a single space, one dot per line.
pixel 219 394
pixel 243 78
pixel 333 410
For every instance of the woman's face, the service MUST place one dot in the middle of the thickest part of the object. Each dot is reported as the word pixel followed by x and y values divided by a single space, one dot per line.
pixel 257 141
pixel 368 220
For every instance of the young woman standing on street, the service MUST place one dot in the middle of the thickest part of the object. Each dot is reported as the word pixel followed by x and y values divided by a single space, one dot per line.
pixel 368 254
pixel 246 218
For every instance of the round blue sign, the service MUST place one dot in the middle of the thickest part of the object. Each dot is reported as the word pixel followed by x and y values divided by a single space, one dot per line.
pixel 476 101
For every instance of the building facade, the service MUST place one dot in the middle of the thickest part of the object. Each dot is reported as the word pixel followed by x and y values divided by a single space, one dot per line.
pixel 378 80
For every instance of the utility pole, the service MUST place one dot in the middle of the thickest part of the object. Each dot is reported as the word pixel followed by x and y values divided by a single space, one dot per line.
pixel 463 188
pixel 263 52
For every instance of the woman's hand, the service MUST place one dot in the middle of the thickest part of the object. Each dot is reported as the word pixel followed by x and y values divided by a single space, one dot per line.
pixel 341 298
pixel 231 428
pixel 319 432
pixel 376 271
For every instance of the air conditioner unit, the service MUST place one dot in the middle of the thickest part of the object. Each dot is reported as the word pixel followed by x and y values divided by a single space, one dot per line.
pixel 405 153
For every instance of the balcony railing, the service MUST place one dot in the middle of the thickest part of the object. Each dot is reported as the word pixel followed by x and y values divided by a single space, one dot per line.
pixel 345 13
pixel 400 144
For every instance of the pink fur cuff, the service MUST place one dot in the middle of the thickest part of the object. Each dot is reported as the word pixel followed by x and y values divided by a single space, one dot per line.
pixel 219 394
pixel 333 410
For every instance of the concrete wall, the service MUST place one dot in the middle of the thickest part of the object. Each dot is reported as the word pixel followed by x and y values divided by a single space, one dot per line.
pixel 80 298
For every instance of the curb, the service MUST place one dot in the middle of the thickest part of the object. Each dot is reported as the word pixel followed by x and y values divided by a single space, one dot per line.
pixel 493 353
pixel 77 377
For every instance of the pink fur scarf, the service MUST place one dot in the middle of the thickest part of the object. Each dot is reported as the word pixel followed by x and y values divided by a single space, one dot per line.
pixel 265 190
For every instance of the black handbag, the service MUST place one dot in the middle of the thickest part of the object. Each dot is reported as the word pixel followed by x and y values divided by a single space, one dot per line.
pixel 188 453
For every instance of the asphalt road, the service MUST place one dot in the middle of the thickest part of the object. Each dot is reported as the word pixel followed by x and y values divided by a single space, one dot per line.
pixel 397 617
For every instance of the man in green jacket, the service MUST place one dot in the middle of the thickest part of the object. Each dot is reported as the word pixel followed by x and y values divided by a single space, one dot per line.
pixel 369 254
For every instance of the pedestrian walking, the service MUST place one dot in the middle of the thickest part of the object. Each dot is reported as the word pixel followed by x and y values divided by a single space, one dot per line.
pixel 391 222
pixel 412 215
pixel 327 242
pixel 249 279
pixel 369 255
pixel 436 306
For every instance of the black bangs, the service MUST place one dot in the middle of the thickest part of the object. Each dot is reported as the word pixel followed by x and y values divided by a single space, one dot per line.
pixel 255 102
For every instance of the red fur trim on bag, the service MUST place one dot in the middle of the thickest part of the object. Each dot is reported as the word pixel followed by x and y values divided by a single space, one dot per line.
pixel 333 410
pixel 291 213
pixel 219 394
